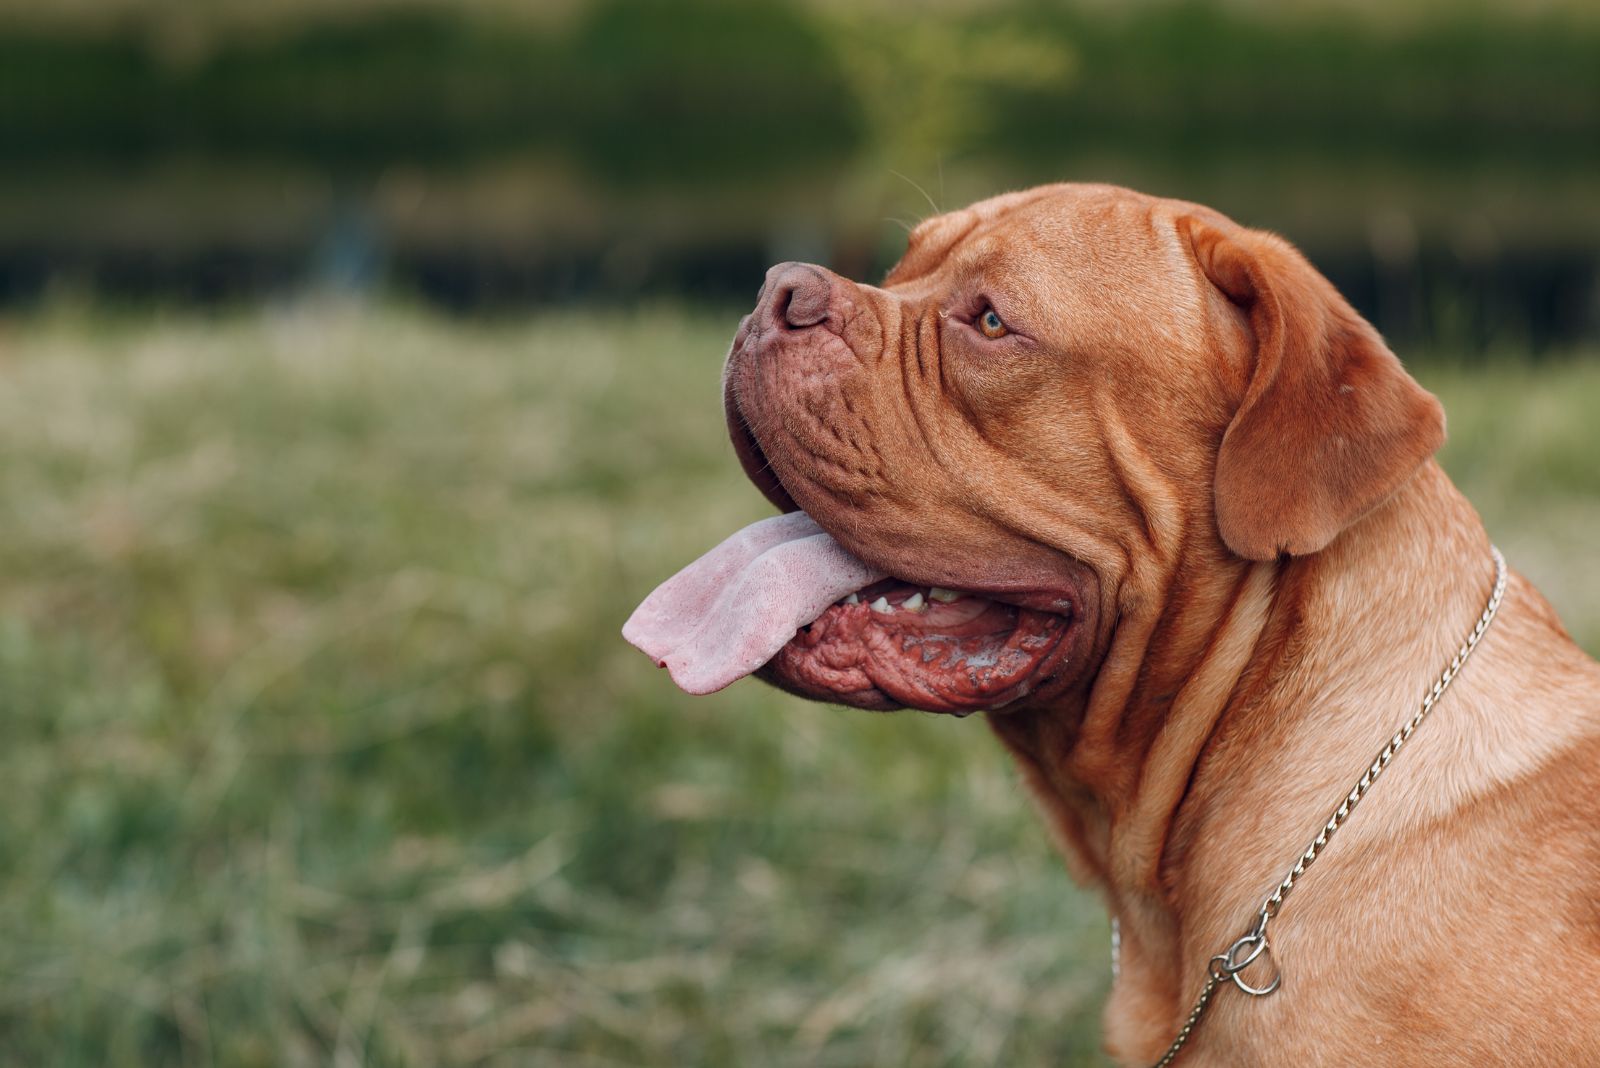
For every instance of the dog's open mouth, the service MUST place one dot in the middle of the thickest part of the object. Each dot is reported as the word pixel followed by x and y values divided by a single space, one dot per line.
pixel 893 644
pixel 783 598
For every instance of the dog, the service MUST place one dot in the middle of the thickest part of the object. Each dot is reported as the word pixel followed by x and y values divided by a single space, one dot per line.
pixel 1137 483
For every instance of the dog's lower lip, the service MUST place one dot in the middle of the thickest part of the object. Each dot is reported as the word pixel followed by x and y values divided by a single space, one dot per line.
pixel 971 654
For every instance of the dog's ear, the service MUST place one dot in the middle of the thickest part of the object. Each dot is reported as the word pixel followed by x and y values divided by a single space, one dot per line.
pixel 1330 423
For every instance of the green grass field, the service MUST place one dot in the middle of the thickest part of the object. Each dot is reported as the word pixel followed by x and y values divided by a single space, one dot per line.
pixel 318 744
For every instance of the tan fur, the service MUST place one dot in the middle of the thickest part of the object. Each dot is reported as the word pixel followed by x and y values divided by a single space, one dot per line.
pixel 1196 401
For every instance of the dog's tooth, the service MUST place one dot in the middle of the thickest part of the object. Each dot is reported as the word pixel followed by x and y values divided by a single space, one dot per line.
pixel 944 596
pixel 854 598
pixel 913 603
pixel 881 605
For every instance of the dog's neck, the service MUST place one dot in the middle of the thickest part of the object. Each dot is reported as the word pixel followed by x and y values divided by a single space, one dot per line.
pixel 1278 683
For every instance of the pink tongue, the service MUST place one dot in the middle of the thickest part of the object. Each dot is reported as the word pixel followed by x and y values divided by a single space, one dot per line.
pixel 730 611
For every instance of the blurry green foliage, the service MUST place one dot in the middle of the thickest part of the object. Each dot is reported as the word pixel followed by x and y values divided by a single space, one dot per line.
pixel 717 90
pixel 413 86
pixel 640 91
pixel 1192 81
pixel 929 84
pixel 1439 166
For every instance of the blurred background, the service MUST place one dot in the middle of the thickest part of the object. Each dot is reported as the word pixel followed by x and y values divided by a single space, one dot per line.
pixel 358 374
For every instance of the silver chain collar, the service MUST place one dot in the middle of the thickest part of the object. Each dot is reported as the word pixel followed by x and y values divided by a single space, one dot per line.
pixel 1252 946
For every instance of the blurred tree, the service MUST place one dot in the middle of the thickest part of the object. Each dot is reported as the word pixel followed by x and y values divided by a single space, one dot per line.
pixel 927 85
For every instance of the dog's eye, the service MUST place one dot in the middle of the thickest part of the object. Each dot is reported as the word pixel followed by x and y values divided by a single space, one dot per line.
pixel 991 324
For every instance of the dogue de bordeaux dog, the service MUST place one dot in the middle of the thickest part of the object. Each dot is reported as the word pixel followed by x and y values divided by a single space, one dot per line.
pixel 1137 482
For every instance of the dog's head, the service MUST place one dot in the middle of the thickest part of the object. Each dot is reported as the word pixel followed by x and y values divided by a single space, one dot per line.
pixel 1054 391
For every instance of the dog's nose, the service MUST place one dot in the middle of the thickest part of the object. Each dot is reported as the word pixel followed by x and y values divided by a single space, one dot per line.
pixel 797 295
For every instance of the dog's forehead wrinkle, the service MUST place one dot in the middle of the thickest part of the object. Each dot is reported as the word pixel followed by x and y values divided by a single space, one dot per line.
pixel 944 244
pixel 914 351
pixel 1048 263
pixel 943 226
pixel 930 245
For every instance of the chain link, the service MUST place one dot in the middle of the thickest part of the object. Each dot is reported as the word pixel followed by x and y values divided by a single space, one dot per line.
pixel 1225 967
pixel 1188 1025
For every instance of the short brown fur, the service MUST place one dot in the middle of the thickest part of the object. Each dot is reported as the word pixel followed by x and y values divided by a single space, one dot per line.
pixel 1203 450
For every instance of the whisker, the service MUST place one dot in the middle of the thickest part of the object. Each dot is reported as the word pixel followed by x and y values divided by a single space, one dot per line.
pixel 918 188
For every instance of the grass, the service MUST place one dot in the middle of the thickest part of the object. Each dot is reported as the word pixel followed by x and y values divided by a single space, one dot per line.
pixel 318 744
